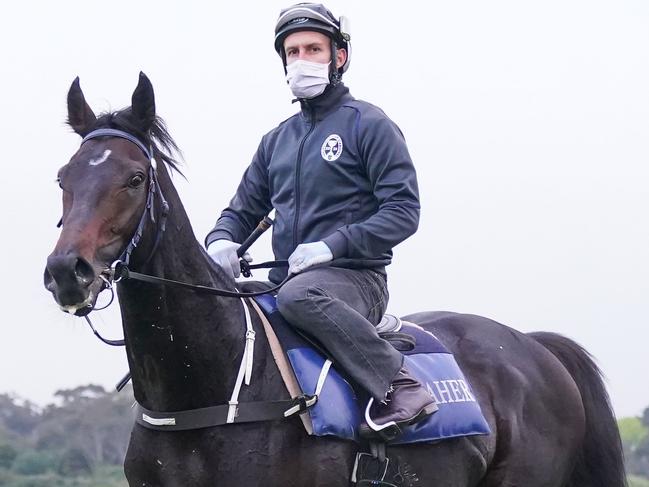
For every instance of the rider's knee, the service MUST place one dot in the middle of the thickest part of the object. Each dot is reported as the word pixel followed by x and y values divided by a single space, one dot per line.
pixel 295 301
pixel 289 301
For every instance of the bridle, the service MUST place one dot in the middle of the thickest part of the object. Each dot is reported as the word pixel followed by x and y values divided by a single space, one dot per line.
pixel 233 411
pixel 154 188
pixel 119 270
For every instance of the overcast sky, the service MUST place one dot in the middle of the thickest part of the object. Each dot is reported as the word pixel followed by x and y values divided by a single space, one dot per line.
pixel 528 123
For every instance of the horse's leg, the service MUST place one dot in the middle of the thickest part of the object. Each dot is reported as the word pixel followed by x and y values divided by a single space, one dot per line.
pixel 138 467
pixel 456 462
pixel 541 467
pixel 538 444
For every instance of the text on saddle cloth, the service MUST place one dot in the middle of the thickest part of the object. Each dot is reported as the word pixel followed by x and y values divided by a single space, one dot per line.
pixel 339 408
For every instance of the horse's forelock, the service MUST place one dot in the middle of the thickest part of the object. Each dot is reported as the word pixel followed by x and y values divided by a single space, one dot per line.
pixel 157 137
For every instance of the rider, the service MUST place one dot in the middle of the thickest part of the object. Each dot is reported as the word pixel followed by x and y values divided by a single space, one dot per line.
pixel 344 190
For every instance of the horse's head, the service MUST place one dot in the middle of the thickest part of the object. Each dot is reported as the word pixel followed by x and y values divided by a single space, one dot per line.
pixel 105 187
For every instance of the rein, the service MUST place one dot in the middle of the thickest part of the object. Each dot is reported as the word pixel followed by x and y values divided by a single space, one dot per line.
pixel 120 271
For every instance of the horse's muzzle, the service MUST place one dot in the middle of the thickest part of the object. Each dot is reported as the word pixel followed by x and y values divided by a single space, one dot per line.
pixel 70 278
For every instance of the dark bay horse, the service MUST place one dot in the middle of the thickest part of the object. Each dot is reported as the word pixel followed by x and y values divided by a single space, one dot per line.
pixel 551 421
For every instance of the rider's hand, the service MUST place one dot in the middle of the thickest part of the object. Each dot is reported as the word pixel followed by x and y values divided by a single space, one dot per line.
pixel 307 255
pixel 224 253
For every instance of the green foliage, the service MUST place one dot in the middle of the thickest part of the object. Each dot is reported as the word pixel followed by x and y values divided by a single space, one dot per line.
pixel 17 416
pixel 6 477
pixel 90 421
pixel 48 480
pixel 635 481
pixel 7 456
pixel 104 477
pixel 74 462
pixel 645 418
pixel 635 439
pixel 79 442
pixel 31 462
pixel 632 431
pixel 111 475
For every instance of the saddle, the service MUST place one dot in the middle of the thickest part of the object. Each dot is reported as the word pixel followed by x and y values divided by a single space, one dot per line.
pixel 339 405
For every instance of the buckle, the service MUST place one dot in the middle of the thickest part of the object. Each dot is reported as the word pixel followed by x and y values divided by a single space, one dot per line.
pixel 300 404
pixel 117 271
pixel 245 268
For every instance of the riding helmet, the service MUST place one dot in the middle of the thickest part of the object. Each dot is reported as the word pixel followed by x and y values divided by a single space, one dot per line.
pixel 313 16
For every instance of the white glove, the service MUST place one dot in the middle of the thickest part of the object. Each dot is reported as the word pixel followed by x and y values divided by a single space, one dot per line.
pixel 224 253
pixel 307 255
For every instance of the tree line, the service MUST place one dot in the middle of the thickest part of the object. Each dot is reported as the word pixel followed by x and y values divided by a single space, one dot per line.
pixel 81 440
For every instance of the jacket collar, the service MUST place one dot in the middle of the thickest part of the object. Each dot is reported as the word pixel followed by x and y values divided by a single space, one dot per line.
pixel 331 99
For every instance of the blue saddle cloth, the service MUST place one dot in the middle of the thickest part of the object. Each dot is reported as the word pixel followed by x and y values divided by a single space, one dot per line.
pixel 340 409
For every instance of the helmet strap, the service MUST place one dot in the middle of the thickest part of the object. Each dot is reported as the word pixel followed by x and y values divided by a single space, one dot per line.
pixel 283 56
pixel 334 73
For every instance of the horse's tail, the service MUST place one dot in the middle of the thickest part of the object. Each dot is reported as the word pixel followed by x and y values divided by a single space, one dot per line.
pixel 601 460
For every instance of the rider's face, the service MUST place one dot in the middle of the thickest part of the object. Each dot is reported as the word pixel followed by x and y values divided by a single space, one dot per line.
pixel 311 46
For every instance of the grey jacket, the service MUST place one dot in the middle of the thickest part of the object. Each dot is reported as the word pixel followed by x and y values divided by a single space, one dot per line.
pixel 338 171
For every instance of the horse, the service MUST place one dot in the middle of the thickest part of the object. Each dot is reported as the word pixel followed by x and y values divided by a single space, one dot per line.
pixel 542 394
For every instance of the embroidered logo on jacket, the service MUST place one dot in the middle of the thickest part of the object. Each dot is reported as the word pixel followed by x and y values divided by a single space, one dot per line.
pixel 332 148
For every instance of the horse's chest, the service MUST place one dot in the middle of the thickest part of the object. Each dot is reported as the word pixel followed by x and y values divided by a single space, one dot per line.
pixel 237 456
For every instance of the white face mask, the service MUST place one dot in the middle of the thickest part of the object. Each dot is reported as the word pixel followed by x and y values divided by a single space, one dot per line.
pixel 306 78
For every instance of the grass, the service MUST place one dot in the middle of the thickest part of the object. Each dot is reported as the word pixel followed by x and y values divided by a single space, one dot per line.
pixel 105 476
pixel 635 481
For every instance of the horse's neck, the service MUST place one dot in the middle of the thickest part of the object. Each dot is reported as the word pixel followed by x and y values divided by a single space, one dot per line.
pixel 183 347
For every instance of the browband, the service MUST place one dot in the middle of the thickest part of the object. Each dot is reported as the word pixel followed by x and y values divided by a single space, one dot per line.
pixel 118 133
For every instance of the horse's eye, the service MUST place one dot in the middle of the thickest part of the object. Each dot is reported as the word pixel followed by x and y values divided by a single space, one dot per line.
pixel 136 181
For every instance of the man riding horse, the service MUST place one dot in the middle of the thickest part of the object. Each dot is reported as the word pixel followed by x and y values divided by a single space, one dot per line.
pixel 344 190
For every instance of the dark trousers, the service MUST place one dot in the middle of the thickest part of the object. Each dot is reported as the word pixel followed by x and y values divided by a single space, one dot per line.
pixel 340 308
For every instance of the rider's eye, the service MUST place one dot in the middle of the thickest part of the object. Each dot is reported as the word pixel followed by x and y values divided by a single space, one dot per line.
pixel 136 181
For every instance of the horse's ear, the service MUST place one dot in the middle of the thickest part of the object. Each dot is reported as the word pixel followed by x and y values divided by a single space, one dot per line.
pixel 143 103
pixel 80 116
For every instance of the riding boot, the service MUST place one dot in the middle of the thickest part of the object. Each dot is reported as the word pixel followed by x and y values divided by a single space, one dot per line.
pixel 407 403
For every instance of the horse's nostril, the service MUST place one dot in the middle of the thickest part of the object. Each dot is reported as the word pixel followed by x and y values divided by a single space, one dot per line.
pixel 68 271
pixel 48 280
pixel 84 272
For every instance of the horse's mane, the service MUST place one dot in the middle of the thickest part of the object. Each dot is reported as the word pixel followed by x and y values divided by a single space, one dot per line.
pixel 158 138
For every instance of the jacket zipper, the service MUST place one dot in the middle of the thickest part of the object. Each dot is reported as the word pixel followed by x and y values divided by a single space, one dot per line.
pixel 298 168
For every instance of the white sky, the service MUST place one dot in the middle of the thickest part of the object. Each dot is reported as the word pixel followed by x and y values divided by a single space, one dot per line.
pixel 528 123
